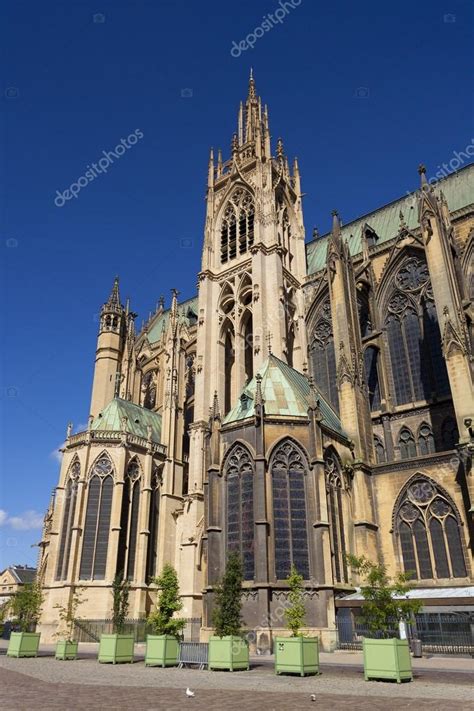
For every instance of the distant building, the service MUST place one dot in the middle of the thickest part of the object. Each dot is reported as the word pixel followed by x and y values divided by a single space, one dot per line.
pixel 314 399
pixel 12 579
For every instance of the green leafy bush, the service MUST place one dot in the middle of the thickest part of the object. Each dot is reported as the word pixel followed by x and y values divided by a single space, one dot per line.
pixel 295 613
pixel 161 620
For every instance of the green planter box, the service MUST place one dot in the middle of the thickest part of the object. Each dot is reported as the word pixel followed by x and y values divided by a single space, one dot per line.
pixel 23 644
pixel 66 649
pixel 161 650
pixel 116 648
pixel 296 655
pixel 387 659
pixel 228 653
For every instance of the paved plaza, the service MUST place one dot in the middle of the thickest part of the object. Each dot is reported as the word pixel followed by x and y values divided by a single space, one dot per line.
pixel 44 683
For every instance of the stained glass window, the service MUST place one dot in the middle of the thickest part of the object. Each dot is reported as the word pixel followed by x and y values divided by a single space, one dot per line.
pixel 363 305
pixel 69 511
pixel 426 443
pixel 288 467
pixel 414 339
pixel 129 521
pixel 323 358
pixel 407 444
pixel 97 523
pixel 153 520
pixel 239 474
pixel 429 533
pixel 334 498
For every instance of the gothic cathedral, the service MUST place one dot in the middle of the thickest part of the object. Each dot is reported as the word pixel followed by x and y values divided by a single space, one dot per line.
pixel 315 398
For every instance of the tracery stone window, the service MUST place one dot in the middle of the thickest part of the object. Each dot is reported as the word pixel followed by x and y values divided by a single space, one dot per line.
pixel 323 356
pixel 129 521
pixel 334 498
pixel 371 364
pixel 414 339
pixel 153 521
pixel 426 443
pixel 239 475
pixel 237 229
pixel 407 444
pixel 380 454
pixel 288 468
pixel 70 499
pixel 449 433
pixel 97 524
pixel 429 533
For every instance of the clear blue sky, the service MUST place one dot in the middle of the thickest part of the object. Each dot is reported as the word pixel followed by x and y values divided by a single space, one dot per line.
pixel 360 92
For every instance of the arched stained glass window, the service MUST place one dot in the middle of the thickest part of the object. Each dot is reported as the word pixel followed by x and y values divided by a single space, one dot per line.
pixel 334 497
pixel 407 444
pixel 426 443
pixel 323 357
pixel 70 498
pixel 288 467
pixel 129 521
pixel 429 533
pixel 153 520
pixel 449 433
pixel 97 523
pixel 237 229
pixel 414 339
pixel 371 356
pixel 239 474
pixel 380 454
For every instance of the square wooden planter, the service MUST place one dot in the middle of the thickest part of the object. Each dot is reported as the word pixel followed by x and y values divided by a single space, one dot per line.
pixel 161 651
pixel 66 649
pixel 23 644
pixel 228 653
pixel 387 659
pixel 296 655
pixel 116 648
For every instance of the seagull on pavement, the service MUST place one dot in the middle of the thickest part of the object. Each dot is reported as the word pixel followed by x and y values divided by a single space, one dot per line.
pixel 189 693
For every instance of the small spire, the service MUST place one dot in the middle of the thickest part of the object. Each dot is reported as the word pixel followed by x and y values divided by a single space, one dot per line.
pixel 241 124
pixel 258 390
pixel 422 174
pixel 252 91
pixel 161 303
pixel 280 150
pixel 215 412
pixel 174 301
pixel 210 174
pixel 234 145
pixel 114 298
pixel 336 223
pixel 219 163
pixel 269 338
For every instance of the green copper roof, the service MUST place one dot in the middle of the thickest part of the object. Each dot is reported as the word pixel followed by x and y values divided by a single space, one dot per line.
pixel 138 418
pixel 458 189
pixel 285 392
pixel 187 312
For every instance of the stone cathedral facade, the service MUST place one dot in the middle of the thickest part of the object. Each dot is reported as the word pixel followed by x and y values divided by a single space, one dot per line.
pixel 314 398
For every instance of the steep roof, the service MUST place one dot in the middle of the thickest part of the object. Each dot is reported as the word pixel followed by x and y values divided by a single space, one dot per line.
pixel 23 574
pixel 138 418
pixel 285 392
pixel 187 312
pixel 458 189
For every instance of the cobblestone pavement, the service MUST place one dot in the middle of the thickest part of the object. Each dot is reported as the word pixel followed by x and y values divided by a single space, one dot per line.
pixel 44 683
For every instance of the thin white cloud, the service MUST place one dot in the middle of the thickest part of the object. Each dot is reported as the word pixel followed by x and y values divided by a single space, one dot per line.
pixel 27 521
pixel 57 455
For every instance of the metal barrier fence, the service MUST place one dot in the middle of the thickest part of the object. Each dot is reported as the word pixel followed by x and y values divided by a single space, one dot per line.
pixel 446 633
pixel 195 653
pixel 91 630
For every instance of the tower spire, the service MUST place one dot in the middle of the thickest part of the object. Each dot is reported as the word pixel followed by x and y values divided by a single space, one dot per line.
pixel 114 298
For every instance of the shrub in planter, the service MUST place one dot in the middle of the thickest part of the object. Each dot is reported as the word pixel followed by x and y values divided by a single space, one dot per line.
pixel 66 646
pixel 26 608
pixel 227 649
pixel 118 647
pixel 385 606
pixel 162 647
pixel 296 654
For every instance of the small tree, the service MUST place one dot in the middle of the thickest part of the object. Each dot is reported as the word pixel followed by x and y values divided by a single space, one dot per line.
pixel 227 616
pixel 295 614
pixel 120 592
pixel 68 615
pixel 26 606
pixel 161 619
pixel 383 607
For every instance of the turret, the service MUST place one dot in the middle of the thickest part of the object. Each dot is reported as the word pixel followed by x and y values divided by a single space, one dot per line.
pixel 110 346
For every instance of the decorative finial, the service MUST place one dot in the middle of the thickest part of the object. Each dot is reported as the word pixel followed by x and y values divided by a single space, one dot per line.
pixel 235 144
pixel 269 338
pixel 280 150
pixel 422 174
pixel 315 233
